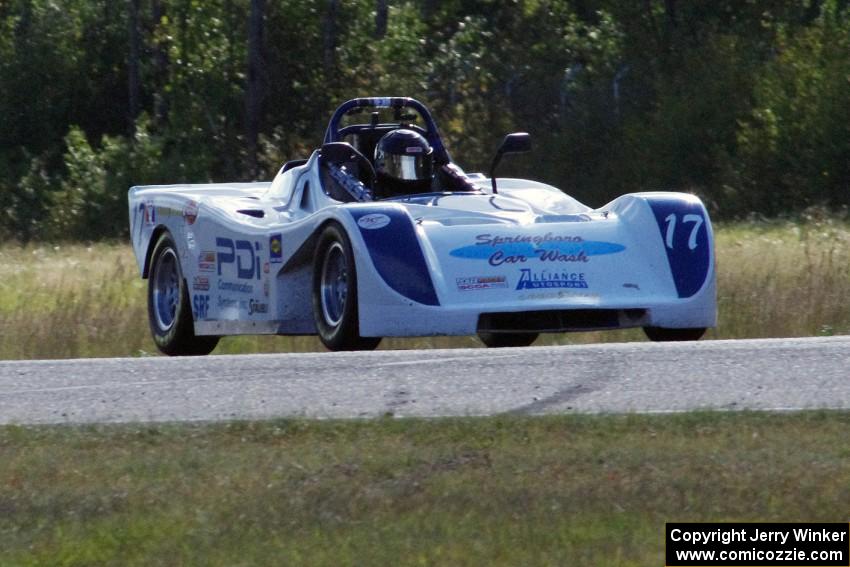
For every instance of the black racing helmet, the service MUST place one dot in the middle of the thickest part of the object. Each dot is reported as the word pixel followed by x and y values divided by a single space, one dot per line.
pixel 404 163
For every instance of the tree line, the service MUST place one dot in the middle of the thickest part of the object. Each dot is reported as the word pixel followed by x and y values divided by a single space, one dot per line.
pixel 746 104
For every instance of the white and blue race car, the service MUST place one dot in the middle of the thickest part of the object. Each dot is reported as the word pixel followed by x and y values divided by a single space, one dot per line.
pixel 321 251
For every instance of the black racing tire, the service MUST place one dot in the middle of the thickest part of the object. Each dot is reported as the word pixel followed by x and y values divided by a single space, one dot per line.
pixel 661 334
pixel 169 307
pixel 335 308
pixel 500 340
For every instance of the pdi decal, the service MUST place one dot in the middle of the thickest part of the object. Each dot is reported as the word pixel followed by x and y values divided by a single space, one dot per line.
pixel 242 253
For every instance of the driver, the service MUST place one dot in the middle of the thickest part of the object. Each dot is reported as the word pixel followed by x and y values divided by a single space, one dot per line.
pixel 404 164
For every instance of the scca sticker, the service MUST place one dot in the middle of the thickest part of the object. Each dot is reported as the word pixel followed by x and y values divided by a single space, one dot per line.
pixel 373 221
pixel 475 283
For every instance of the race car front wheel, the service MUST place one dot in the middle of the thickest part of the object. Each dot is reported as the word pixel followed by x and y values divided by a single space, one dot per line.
pixel 499 340
pixel 335 307
pixel 169 309
pixel 661 334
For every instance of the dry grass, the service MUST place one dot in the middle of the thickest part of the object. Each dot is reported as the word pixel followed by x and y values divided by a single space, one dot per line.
pixel 567 490
pixel 71 301
pixel 775 279
pixel 784 279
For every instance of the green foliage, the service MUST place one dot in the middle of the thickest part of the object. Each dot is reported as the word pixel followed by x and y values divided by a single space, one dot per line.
pixel 92 202
pixel 26 206
pixel 747 105
pixel 795 142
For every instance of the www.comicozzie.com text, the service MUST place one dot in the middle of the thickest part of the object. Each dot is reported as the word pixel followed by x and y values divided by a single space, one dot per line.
pixel 743 534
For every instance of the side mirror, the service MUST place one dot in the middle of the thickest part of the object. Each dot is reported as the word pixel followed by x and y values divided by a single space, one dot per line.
pixel 516 143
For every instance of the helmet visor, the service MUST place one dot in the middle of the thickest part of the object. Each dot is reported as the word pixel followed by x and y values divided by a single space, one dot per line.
pixel 409 167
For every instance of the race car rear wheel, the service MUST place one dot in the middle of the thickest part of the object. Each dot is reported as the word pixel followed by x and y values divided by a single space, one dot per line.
pixel 660 334
pixel 499 340
pixel 169 308
pixel 335 307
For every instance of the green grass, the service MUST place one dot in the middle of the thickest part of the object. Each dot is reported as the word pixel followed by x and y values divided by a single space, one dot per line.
pixel 568 490
pixel 775 279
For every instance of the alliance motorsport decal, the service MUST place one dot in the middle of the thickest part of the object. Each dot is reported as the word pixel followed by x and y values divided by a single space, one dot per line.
pixel 499 250
pixel 545 279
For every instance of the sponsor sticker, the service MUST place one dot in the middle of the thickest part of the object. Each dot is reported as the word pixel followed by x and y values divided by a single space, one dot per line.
pixel 149 213
pixel 206 261
pixel 190 212
pixel 537 240
pixel 166 212
pixel 201 283
pixel 546 248
pixel 235 287
pixel 474 283
pixel 545 279
pixel 373 221
pixel 255 306
pixel 275 249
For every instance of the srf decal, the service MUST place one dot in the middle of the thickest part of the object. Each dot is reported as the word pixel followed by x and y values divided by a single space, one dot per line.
pixel 200 306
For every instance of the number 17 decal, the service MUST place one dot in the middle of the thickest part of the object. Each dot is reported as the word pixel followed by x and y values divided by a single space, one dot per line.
pixel 671 229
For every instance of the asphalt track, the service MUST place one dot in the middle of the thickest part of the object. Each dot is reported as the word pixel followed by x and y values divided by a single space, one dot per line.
pixel 766 374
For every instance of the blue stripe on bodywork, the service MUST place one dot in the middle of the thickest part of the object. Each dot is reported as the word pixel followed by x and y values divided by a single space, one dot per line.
pixel 397 254
pixel 684 234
